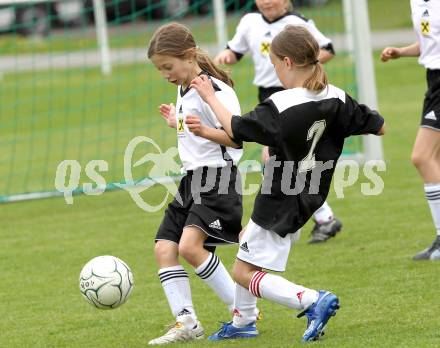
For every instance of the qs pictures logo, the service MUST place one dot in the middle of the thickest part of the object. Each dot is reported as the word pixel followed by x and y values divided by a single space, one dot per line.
pixel 162 165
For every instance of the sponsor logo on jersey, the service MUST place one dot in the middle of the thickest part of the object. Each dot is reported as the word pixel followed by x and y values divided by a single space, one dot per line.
pixel 265 48
pixel 424 26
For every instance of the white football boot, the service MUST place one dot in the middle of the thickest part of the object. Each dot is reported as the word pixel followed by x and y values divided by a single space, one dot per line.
pixel 185 329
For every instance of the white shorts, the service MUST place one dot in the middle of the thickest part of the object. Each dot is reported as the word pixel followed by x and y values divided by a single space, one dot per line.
pixel 264 248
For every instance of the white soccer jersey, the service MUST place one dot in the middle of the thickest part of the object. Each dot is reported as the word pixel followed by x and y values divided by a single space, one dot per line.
pixel 254 34
pixel 426 21
pixel 195 151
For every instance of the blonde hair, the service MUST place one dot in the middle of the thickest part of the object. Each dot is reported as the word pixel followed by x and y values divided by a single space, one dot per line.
pixel 300 46
pixel 289 6
pixel 176 40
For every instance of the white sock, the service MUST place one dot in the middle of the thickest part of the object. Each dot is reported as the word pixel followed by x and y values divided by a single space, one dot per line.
pixel 432 192
pixel 245 307
pixel 175 283
pixel 323 214
pixel 280 290
pixel 213 272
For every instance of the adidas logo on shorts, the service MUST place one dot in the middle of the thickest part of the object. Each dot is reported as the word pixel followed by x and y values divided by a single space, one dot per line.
pixel 431 116
pixel 216 224
pixel 244 247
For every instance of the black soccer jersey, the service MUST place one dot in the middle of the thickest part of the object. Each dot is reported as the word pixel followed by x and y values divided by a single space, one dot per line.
pixel 305 132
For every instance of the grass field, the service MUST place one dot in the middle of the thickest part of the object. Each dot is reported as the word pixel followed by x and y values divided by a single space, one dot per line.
pixel 384 15
pixel 387 300
pixel 50 116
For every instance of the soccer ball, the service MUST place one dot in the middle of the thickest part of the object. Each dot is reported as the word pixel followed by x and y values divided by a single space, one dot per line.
pixel 106 282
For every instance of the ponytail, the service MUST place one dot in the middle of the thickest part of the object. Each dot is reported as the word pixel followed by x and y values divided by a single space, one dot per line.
pixel 318 80
pixel 300 46
pixel 206 64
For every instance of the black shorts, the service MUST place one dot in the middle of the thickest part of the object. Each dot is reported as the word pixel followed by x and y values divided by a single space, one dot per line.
pixel 431 104
pixel 218 211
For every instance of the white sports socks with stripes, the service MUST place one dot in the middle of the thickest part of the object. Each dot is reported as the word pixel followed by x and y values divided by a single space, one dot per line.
pixel 245 307
pixel 282 291
pixel 214 274
pixel 175 283
pixel 432 193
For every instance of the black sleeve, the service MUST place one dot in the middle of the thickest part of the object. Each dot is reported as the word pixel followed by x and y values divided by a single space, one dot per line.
pixel 260 125
pixel 359 119
pixel 329 47
pixel 237 55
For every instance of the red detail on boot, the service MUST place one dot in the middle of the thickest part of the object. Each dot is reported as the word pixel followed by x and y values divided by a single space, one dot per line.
pixel 236 313
pixel 300 295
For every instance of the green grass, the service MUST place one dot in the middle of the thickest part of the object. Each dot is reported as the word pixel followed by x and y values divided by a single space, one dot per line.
pixel 384 15
pixel 50 116
pixel 387 300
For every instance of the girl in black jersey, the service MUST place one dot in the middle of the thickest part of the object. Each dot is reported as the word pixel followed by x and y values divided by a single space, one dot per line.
pixel 253 35
pixel 198 215
pixel 304 127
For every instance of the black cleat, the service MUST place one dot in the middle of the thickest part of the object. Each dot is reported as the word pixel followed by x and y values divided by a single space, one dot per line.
pixel 322 232
pixel 430 253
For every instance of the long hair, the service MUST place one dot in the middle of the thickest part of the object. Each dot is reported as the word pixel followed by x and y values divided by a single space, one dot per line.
pixel 300 46
pixel 176 40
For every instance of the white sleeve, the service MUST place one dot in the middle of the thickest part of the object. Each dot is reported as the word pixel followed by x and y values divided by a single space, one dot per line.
pixel 229 101
pixel 319 37
pixel 239 42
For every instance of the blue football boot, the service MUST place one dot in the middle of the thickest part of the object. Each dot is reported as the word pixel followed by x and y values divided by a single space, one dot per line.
pixel 229 331
pixel 318 315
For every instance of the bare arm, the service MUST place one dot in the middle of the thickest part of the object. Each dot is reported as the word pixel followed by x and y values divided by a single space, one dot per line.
pixel 265 154
pixel 218 136
pixel 382 130
pixel 203 86
pixel 225 57
pixel 397 52
pixel 325 56
pixel 168 112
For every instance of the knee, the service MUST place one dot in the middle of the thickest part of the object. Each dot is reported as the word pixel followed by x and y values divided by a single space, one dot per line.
pixel 418 159
pixel 165 253
pixel 187 251
pixel 236 275
pixel 241 275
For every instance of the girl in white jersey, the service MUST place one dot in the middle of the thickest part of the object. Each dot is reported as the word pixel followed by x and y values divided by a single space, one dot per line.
pixel 206 210
pixel 426 151
pixel 305 126
pixel 253 35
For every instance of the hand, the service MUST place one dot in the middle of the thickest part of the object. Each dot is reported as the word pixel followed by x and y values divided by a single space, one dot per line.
pixel 203 86
pixel 168 112
pixel 265 154
pixel 195 125
pixel 390 53
pixel 225 57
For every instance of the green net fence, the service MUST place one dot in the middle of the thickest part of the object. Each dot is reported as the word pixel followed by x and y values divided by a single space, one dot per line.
pixel 56 104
